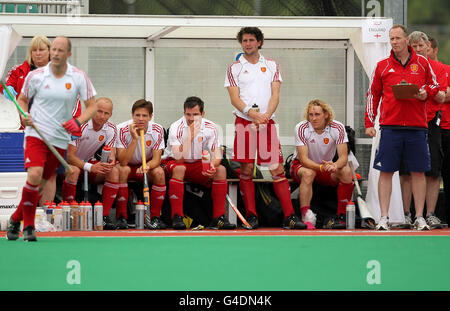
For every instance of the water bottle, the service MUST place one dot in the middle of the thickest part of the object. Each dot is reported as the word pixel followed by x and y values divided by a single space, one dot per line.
pixel 106 152
pixel 140 215
pixel 98 216
pixel 48 208
pixel 58 218
pixel 82 216
pixel 350 215
pixel 206 160
pixel 65 207
pixel 74 215
pixel 89 216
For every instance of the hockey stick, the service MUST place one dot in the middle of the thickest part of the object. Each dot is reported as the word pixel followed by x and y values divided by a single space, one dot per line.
pixel 50 146
pixel 146 190
pixel 367 220
pixel 246 224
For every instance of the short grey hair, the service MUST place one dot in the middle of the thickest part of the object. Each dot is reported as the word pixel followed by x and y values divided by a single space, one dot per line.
pixel 415 36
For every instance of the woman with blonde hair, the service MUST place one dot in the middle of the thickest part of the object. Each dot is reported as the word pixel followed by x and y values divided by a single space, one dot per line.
pixel 38 55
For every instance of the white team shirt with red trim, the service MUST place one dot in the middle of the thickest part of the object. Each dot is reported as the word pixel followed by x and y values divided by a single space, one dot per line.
pixel 254 82
pixel 153 139
pixel 54 101
pixel 320 146
pixel 91 140
pixel 206 139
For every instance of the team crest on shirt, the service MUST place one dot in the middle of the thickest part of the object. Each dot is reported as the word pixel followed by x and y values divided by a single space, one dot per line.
pixel 414 67
pixel 263 69
pixel 326 140
pixel 101 137
pixel 149 143
pixel 68 86
pixel 200 139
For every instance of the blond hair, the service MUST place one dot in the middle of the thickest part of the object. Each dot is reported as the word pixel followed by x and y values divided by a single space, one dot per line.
pixel 36 42
pixel 325 108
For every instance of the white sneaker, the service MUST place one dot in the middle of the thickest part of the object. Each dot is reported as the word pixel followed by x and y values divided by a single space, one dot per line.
pixel 310 217
pixel 433 221
pixel 408 221
pixel 383 224
pixel 420 224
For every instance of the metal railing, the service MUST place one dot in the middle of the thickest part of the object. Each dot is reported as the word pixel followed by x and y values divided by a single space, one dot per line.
pixel 42 6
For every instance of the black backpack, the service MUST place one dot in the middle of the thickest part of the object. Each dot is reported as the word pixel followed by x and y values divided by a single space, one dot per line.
pixel 233 168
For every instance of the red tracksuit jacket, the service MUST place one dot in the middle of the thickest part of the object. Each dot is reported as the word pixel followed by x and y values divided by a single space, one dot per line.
pixel 445 120
pixel 405 112
pixel 441 76
pixel 16 76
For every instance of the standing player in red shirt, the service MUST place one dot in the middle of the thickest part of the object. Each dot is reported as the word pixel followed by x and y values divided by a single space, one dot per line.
pixel 419 43
pixel 445 127
pixel 403 122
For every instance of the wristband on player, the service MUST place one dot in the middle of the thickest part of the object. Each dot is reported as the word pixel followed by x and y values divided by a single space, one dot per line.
pixel 246 110
pixel 87 166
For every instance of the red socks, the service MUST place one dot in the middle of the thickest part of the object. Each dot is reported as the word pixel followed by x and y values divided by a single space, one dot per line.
pixel 157 196
pixel 344 195
pixel 283 192
pixel 219 192
pixel 247 189
pixel 122 201
pixel 109 194
pixel 68 191
pixel 176 193
pixel 27 206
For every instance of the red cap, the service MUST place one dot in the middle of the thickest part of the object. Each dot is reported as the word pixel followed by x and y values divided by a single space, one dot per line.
pixel 107 148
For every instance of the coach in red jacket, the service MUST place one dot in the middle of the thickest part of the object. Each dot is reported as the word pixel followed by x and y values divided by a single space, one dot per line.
pixel 403 122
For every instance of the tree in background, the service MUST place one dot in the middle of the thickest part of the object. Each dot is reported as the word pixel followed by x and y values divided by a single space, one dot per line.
pixel 431 17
